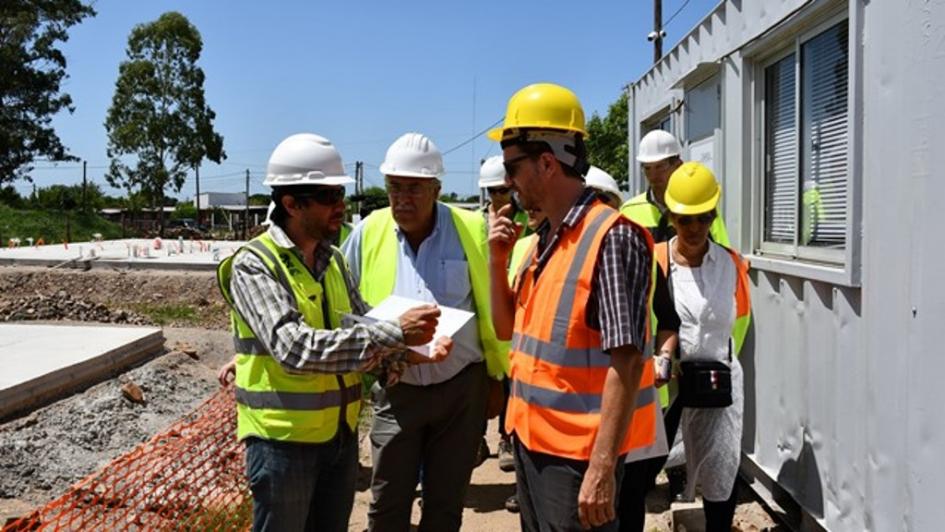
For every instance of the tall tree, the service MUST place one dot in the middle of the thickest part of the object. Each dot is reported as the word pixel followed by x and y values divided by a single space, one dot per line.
pixel 159 125
pixel 33 68
pixel 607 143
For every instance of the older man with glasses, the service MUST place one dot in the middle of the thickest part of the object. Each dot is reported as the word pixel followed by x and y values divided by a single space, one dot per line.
pixel 428 427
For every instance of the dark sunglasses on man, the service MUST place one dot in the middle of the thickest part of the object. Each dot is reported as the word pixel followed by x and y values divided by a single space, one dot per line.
pixel 705 218
pixel 501 191
pixel 327 196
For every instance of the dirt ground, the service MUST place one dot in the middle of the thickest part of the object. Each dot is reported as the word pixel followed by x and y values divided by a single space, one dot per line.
pixel 44 452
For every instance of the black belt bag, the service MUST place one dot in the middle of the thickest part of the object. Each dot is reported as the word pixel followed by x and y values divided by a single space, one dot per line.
pixel 705 384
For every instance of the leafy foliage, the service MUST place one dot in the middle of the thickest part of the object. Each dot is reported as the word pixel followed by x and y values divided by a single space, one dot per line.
pixel 33 69
pixel 159 124
pixel 607 142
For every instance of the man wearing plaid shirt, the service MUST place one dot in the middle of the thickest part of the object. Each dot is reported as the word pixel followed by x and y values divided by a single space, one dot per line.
pixel 297 369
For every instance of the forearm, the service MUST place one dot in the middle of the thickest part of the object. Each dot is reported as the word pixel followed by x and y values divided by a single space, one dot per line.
pixel 301 348
pixel 503 300
pixel 617 405
pixel 666 342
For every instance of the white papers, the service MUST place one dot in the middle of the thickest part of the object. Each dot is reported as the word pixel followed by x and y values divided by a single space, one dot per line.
pixel 451 319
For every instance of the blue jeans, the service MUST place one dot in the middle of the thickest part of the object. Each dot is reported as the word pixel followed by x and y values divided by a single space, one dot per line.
pixel 548 488
pixel 300 486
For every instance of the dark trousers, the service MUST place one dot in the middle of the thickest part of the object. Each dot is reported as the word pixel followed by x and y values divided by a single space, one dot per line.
pixel 548 489
pixel 432 429
pixel 719 515
pixel 640 476
pixel 299 486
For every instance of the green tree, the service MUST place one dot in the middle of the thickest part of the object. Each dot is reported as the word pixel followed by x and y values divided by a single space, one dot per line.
pixel 159 125
pixel 607 143
pixel 371 198
pixel 33 68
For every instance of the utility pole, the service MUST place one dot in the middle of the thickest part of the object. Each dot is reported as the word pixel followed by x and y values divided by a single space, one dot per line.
pixel 246 207
pixel 85 203
pixel 657 30
pixel 197 179
pixel 359 184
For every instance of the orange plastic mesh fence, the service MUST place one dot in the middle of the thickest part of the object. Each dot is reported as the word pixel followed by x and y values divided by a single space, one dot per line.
pixel 191 477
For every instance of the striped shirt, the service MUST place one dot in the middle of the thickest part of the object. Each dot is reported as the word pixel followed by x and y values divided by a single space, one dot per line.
pixel 271 311
pixel 617 306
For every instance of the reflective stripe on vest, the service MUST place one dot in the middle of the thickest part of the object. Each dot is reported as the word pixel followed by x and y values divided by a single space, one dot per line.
pixel 271 402
pixel 558 369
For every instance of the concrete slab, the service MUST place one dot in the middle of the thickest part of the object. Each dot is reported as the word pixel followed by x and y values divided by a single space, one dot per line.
pixel 135 253
pixel 45 362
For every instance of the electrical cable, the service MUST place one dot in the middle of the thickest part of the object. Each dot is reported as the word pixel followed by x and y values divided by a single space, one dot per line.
pixel 474 137
pixel 668 21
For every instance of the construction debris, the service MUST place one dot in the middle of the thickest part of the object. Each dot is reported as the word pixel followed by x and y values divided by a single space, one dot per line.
pixel 62 306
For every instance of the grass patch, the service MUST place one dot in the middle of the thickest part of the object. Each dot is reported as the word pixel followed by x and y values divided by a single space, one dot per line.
pixel 51 225
pixel 170 313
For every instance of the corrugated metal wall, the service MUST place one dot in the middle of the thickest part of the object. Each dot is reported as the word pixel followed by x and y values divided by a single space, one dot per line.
pixel 843 383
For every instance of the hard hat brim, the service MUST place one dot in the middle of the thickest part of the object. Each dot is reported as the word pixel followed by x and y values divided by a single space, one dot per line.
pixel 709 205
pixel 645 159
pixel 289 181
pixel 486 183
pixel 495 134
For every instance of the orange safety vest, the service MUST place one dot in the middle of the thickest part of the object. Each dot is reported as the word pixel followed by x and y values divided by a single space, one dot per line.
pixel 557 367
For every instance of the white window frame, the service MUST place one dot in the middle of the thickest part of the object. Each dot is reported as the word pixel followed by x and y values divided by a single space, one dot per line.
pixel 836 266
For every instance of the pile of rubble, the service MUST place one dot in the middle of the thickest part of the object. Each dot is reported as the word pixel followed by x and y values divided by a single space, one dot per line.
pixel 62 306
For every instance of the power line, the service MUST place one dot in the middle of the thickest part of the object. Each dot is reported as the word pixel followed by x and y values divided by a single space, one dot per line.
pixel 474 137
pixel 684 4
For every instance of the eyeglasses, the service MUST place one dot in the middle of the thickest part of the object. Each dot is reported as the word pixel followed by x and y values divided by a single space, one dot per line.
pixel 498 190
pixel 413 189
pixel 704 219
pixel 511 165
pixel 327 196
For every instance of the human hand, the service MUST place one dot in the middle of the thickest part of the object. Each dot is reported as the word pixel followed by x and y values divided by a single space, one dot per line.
pixel 419 323
pixel 503 233
pixel 227 373
pixel 596 498
pixel 495 400
pixel 438 352
pixel 663 370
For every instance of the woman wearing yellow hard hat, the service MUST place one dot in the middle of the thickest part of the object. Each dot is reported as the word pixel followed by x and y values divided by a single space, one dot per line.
pixel 702 298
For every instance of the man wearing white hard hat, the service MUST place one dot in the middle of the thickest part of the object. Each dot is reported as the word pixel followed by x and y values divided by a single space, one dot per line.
pixel 605 185
pixel 492 178
pixel 427 428
pixel 297 368
pixel 659 154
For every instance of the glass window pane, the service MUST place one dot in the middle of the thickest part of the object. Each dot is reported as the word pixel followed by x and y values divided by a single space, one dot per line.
pixel 824 138
pixel 781 172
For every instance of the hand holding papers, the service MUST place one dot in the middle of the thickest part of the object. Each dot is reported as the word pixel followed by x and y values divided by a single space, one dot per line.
pixel 421 323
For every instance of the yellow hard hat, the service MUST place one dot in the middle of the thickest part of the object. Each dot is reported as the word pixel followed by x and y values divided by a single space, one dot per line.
pixel 692 189
pixel 543 106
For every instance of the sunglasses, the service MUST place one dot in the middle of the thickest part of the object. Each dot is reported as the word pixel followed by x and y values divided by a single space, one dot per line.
pixel 325 196
pixel 499 190
pixel 512 165
pixel 704 219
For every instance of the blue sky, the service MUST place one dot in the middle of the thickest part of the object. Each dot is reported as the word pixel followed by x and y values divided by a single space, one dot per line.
pixel 362 73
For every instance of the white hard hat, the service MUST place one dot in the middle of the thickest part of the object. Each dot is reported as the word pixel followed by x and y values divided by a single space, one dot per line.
pixel 658 145
pixel 492 172
pixel 413 155
pixel 601 180
pixel 305 159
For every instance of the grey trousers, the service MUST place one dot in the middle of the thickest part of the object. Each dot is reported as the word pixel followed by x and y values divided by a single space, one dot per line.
pixel 427 434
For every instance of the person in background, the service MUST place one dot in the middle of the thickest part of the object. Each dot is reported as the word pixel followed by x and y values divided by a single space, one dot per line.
pixel 605 185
